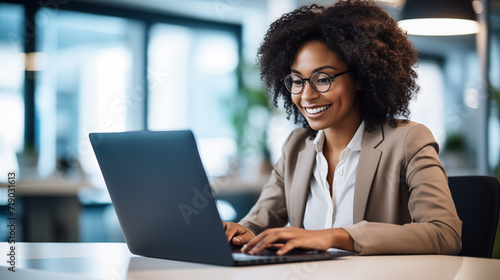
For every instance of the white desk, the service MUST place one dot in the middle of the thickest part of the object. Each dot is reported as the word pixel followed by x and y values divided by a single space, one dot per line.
pixel 67 261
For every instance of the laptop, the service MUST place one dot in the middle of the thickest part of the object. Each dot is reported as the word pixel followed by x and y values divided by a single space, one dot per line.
pixel 164 202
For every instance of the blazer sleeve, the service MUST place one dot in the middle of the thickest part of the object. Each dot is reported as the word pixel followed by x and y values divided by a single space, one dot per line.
pixel 270 209
pixel 434 227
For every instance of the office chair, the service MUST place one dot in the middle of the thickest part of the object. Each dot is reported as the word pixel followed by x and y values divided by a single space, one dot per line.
pixel 477 201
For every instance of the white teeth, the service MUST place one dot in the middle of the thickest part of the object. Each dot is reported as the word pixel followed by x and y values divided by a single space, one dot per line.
pixel 316 110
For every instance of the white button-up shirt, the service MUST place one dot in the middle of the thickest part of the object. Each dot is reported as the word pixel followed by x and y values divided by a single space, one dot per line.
pixel 322 210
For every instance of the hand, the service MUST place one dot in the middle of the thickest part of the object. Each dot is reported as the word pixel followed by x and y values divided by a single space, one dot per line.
pixel 292 238
pixel 237 234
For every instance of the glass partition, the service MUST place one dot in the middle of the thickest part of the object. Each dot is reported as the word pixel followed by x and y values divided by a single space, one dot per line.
pixel 84 86
pixel 494 78
pixel 192 83
pixel 11 86
pixel 494 99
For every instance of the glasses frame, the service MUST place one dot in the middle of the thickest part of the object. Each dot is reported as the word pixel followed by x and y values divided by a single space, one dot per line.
pixel 332 77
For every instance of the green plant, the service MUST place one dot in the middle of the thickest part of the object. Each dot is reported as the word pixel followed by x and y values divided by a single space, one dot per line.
pixel 495 103
pixel 251 113
pixel 495 100
pixel 455 142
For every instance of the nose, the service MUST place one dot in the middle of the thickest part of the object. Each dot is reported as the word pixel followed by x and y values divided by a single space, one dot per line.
pixel 308 93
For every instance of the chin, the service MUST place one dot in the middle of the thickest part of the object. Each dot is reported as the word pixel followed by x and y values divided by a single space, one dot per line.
pixel 316 126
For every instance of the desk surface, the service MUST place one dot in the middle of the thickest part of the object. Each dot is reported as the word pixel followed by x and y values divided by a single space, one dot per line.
pixel 114 261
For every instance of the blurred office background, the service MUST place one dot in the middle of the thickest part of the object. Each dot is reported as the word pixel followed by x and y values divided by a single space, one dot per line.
pixel 70 67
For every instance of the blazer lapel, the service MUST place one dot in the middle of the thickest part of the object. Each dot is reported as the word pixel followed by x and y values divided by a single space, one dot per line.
pixel 369 158
pixel 300 184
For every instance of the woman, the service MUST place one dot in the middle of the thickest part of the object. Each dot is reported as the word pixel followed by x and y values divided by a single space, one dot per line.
pixel 355 177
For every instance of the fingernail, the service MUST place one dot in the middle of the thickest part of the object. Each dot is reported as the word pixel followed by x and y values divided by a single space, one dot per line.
pixel 237 240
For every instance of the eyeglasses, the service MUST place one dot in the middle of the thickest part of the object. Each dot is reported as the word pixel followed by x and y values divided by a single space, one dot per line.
pixel 320 82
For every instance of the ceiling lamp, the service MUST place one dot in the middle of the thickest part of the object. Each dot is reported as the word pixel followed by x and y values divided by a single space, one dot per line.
pixel 439 18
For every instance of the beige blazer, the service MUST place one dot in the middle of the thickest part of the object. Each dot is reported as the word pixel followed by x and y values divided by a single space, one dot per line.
pixel 402 202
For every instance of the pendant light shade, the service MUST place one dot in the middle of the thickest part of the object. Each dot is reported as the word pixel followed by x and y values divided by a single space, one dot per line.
pixel 439 18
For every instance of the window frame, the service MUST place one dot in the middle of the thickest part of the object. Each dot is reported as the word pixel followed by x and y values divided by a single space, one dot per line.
pixel 148 18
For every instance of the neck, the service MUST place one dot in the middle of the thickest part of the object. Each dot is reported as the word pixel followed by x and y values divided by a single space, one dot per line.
pixel 337 138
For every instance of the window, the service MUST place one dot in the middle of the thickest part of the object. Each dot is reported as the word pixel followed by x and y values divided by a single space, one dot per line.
pixel 11 86
pixel 192 81
pixel 428 107
pixel 447 105
pixel 84 86
pixel 494 114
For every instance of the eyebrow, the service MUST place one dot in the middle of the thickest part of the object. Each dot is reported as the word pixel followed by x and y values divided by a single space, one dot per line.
pixel 315 70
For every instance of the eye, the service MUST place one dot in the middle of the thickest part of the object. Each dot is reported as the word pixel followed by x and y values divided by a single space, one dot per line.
pixel 323 79
pixel 296 80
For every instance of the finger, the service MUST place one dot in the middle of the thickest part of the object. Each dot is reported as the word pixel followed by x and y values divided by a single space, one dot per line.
pixel 238 234
pixel 287 247
pixel 224 224
pixel 231 231
pixel 242 239
pixel 271 238
pixel 254 241
pixel 258 239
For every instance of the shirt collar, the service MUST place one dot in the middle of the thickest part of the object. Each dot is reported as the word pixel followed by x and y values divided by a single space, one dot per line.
pixel 354 144
pixel 319 140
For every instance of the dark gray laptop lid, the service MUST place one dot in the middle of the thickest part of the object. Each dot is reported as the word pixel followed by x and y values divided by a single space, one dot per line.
pixel 161 195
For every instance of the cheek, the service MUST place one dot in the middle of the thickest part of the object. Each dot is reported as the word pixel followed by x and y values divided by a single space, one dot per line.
pixel 296 100
pixel 345 94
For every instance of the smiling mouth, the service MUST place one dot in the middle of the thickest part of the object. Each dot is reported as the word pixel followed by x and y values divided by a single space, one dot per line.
pixel 316 110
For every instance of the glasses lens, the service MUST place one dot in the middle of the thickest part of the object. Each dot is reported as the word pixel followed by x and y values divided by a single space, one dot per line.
pixel 294 83
pixel 321 81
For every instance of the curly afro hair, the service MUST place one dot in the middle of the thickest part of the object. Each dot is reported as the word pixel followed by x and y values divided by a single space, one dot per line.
pixel 367 38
